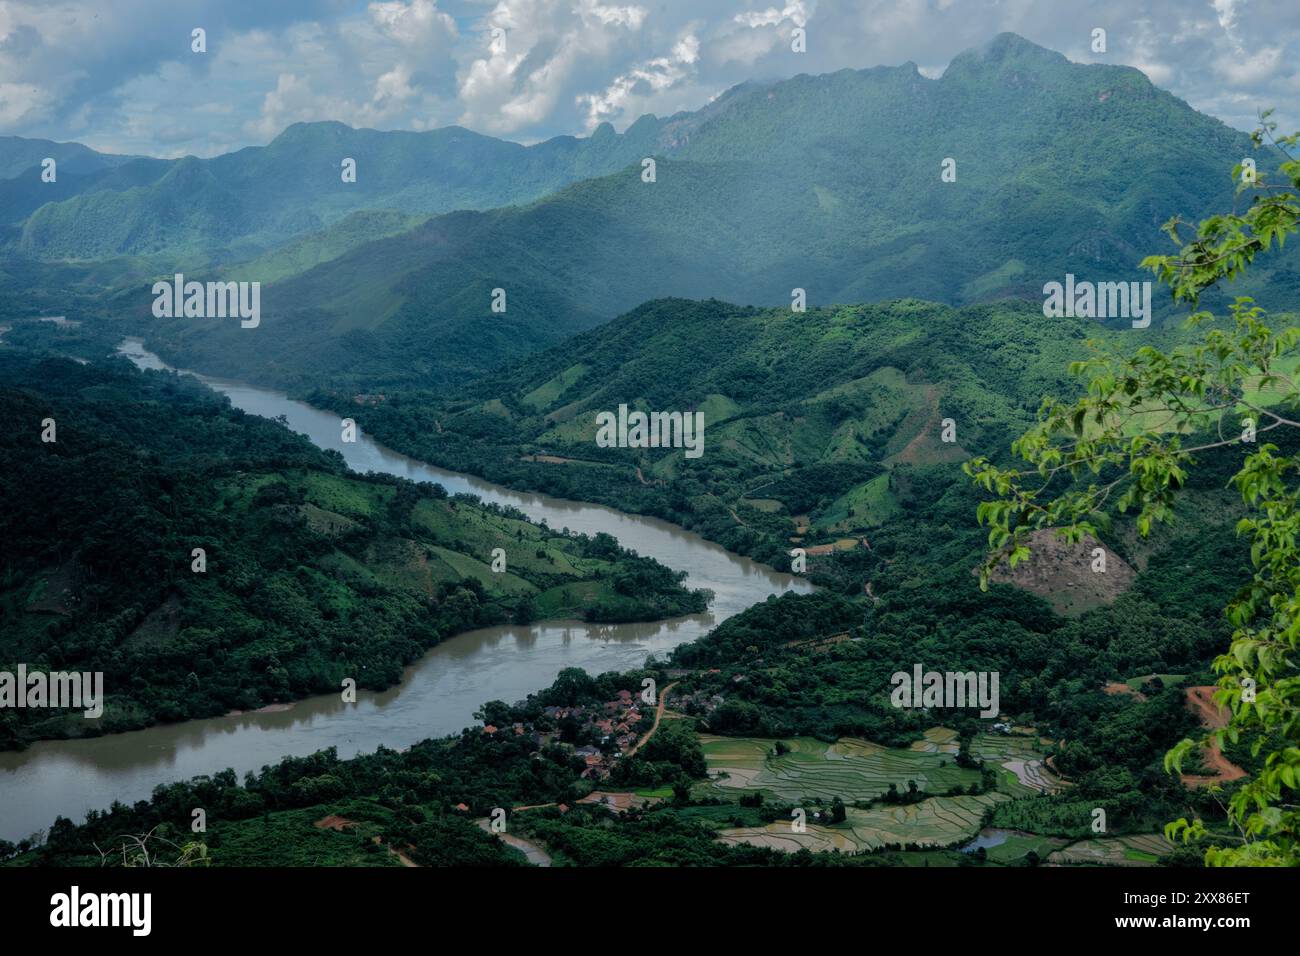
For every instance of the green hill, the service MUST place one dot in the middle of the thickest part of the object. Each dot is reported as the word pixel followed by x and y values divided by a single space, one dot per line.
pixel 313 574
pixel 813 421
pixel 20 156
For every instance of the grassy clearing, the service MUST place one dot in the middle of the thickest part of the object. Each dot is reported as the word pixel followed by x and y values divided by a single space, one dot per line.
pixel 1169 680
pixel 867 505
pixel 1010 847
pixel 546 393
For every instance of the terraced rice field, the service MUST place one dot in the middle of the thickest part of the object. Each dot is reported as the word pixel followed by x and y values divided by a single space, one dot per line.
pixel 850 769
pixel 1021 758
pixel 1140 850
pixel 938 822
pixel 937 740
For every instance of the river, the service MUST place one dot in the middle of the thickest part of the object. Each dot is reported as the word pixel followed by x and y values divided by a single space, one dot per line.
pixel 437 695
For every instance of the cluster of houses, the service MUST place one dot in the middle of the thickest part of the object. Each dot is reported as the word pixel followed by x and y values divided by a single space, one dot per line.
pixel 613 727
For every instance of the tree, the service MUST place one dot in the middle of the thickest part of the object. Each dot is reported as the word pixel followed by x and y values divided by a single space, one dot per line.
pixel 838 813
pixel 1122 448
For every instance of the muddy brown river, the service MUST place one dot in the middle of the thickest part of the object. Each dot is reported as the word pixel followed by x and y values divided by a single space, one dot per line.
pixel 438 694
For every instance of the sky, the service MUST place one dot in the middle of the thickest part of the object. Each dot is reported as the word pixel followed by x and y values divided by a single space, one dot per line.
pixel 122 75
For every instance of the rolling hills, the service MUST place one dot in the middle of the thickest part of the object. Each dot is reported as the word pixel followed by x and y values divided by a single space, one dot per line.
pixel 814 421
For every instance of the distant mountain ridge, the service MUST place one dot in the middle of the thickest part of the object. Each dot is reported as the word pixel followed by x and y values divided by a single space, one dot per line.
pixel 19 154
pixel 830 184
pixel 246 203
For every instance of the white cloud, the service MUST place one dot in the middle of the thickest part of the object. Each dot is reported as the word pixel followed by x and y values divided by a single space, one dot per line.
pixel 549 45
pixel 20 102
pixel 126 80
pixel 770 17
pixel 650 77
pixel 630 16
pixel 417 23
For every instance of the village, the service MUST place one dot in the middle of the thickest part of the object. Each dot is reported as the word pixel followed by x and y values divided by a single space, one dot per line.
pixel 603 734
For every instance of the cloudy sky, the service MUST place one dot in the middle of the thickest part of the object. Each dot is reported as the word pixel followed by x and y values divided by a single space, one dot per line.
pixel 120 75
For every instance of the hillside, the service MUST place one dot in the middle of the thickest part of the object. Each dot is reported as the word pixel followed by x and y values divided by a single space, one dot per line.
pixel 312 574
pixel 781 706
pixel 829 183
pixel 814 421
pixel 823 430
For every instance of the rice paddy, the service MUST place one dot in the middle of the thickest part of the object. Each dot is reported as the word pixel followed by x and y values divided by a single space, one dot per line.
pixel 810 773
pixel 1140 850
pixel 1021 761
pixel 813 769
pixel 937 822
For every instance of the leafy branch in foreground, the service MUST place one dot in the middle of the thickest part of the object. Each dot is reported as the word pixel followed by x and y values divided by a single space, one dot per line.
pixel 1127 446
pixel 144 850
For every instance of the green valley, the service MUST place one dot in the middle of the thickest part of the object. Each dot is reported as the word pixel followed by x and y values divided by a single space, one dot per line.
pixel 308 575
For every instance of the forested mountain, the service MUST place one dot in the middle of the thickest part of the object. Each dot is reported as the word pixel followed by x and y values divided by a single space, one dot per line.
pixel 19 155
pixel 310 573
pixel 245 203
pixel 831 184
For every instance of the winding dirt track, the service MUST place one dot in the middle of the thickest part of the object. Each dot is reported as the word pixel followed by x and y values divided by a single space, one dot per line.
pixel 1201 701
pixel 659 714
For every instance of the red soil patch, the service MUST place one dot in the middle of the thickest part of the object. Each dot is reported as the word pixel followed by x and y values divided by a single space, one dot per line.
pixel 334 822
pixel 619 802
pixel 1200 700
pixel 843 544
pixel 1115 687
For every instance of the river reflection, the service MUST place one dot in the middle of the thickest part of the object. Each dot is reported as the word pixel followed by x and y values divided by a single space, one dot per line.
pixel 437 695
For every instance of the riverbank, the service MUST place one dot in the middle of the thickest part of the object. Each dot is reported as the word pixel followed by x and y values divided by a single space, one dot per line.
pixel 436 696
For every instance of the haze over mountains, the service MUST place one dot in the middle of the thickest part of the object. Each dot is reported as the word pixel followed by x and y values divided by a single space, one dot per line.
pixel 827 183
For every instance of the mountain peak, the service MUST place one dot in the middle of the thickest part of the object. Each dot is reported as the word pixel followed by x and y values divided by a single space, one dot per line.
pixel 1003 50
pixel 301 131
